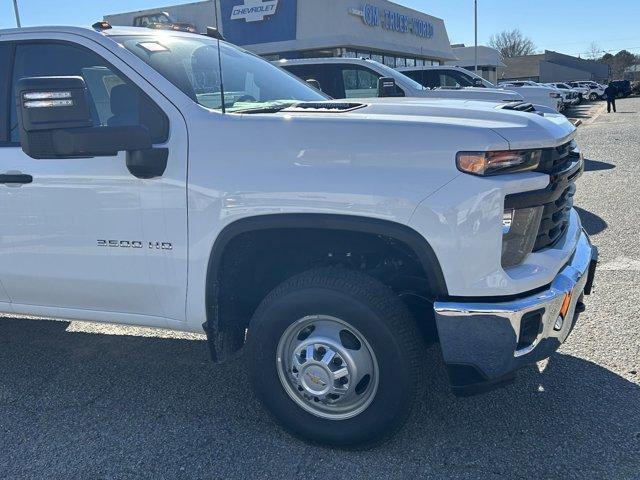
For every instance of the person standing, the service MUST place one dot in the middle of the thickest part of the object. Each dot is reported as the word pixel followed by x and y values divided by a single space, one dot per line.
pixel 611 92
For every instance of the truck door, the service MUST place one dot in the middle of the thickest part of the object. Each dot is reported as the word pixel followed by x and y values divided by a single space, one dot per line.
pixel 84 236
pixel 5 86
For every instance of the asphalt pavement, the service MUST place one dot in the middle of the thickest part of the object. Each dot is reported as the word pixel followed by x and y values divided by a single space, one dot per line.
pixel 104 402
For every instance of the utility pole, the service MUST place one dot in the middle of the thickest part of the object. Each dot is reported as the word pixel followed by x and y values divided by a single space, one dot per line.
pixel 475 5
pixel 15 9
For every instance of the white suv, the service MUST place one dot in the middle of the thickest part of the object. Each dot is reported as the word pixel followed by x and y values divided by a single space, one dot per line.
pixel 595 91
pixel 354 78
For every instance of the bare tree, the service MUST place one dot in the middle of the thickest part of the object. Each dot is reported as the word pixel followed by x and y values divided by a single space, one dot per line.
pixel 595 52
pixel 512 43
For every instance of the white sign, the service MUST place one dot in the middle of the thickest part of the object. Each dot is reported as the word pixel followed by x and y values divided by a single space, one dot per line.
pixel 254 10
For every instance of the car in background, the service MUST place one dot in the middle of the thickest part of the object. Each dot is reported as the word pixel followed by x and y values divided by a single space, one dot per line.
pixel 543 94
pixel 595 91
pixel 361 78
pixel 448 76
pixel 570 95
pixel 581 93
pixel 564 95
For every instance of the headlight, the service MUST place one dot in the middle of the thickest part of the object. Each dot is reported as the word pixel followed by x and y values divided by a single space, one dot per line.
pixel 494 163
pixel 554 95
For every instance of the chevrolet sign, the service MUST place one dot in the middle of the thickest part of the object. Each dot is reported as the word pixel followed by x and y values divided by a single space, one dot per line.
pixel 254 10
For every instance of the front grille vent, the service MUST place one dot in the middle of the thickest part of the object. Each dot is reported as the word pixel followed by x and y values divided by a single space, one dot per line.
pixel 555 217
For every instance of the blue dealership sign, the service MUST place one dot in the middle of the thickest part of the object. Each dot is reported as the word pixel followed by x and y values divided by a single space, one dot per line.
pixel 250 22
pixel 374 16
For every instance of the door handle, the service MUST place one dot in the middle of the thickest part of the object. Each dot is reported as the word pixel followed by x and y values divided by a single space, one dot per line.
pixel 15 178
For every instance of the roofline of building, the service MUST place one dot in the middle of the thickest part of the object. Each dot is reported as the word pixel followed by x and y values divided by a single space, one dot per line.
pixel 346 41
pixel 157 9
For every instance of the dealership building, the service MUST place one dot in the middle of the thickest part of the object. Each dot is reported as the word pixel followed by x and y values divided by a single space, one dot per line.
pixel 277 29
pixel 551 66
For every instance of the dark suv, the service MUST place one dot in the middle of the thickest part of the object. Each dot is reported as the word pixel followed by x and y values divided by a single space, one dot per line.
pixel 623 86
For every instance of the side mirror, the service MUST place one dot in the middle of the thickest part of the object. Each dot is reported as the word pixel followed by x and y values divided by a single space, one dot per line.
pixel 387 88
pixel 314 83
pixel 55 122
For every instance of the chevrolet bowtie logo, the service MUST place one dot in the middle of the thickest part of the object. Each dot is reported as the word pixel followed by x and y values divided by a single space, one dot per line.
pixel 316 379
pixel 254 10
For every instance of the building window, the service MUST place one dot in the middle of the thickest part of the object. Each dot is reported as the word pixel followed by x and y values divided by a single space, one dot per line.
pixel 411 62
pixel 351 54
pixel 376 57
pixel 390 61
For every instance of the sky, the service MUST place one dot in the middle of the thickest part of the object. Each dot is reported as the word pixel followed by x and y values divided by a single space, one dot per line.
pixel 568 27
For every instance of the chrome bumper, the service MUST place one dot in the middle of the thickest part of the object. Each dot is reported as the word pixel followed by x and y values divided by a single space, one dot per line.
pixel 485 342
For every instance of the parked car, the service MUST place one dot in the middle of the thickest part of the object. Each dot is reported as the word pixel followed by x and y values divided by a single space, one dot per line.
pixel 544 94
pixel 359 78
pixel 566 96
pixel 577 93
pixel 595 91
pixel 329 236
pixel 623 86
pixel 447 76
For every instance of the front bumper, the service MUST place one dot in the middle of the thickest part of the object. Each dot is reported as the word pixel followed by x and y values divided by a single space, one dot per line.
pixel 484 343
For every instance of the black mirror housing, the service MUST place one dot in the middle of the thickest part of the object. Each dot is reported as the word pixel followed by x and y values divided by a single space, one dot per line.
pixel 45 103
pixel 99 141
pixel 55 122
pixel 387 88
pixel 314 83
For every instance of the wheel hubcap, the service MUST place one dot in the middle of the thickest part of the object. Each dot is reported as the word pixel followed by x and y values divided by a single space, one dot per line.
pixel 327 367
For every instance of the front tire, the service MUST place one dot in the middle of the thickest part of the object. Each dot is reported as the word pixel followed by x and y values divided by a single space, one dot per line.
pixel 334 355
pixel 593 97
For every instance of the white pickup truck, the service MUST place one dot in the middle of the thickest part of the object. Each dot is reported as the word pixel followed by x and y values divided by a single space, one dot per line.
pixel 333 238
pixel 360 78
pixel 451 76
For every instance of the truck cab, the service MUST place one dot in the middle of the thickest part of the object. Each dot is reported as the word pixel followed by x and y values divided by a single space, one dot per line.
pixel 358 78
pixel 172 180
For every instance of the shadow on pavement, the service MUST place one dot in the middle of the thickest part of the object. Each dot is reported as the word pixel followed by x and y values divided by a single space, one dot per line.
pixel 105 406
pixel 582 111
pixel 591 222
pixel 596 165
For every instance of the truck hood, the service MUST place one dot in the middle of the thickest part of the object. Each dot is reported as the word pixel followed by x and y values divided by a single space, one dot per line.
pixel 522 130
pixel 470 93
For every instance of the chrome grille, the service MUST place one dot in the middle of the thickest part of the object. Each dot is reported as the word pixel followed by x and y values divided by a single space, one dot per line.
pixel 555 219
pixel 557 162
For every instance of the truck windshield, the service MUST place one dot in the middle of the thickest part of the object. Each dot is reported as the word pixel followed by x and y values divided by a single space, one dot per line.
pixel 191 64
pixel 399 77
pixel 472 76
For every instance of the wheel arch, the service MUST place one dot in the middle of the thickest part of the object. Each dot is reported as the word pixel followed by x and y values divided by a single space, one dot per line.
pixel 307 221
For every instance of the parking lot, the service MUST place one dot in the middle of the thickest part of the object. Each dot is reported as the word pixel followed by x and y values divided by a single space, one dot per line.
pixel 586 112
pixel 98 401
